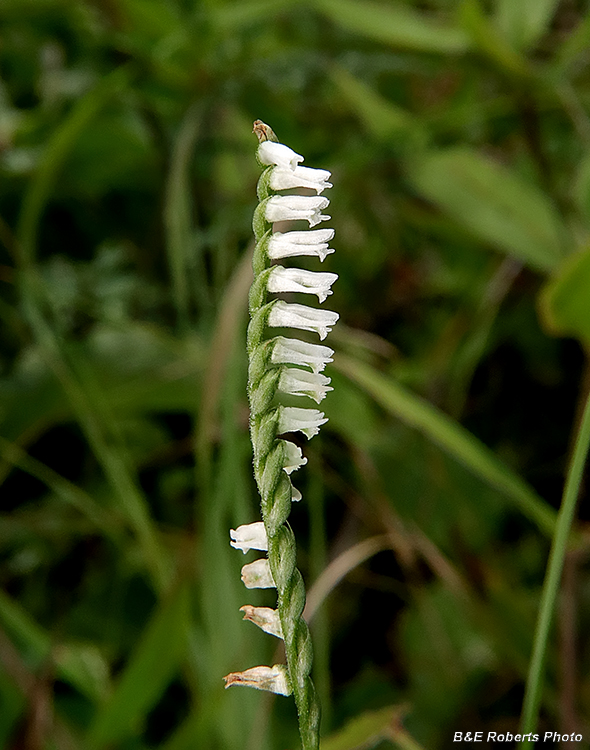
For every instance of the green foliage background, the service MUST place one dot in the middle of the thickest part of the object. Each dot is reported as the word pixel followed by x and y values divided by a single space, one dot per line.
pixel 458 135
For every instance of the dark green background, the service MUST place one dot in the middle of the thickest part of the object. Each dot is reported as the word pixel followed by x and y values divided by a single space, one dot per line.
pixel 458 136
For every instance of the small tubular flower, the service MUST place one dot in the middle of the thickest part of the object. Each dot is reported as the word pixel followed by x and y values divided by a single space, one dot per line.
pixel 295 494
pixel 295 352
pixel 303 177
pixel 294 458
pixel 291 315
pixel 249 536
pixel 293 207
pixel 297 280
pixel 278 154
pixel 266 618
pixel 294 419
pixel 273 679
pixel 312 242
pixel 297 382
pixel 257 575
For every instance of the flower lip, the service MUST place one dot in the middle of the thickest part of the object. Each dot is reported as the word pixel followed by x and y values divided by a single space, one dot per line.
pixel 249 536
pixel 291 315
pixel 278 154
pixel 294 458
pixel 296 207
pixel 297 280
pixel 296 352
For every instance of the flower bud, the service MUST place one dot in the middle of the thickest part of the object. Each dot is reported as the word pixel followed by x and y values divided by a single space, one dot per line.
pixel 278 154
pixel 257 575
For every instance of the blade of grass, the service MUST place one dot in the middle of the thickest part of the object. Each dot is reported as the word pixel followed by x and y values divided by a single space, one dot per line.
pixel 149 671
pixel 54 156
pixel 178 216
pixel 32 640
pixel 534 684
pixel 88 403
pixel 451 437
pixel 63 488
pixel 396 25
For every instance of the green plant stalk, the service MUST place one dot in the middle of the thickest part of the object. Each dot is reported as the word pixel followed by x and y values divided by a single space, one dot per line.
pixel 534 684
pixel 275 492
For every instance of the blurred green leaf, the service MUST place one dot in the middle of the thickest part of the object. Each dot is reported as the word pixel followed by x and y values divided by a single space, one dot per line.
pixel 525 21
pixel 451 437
pixel 493 202
pixel 564 302
pixel 490 41
pixel 148 672
pixel 395 24
pixel 573 47
pixel 80 665
pixel 56 150
pixel 369 729
pixel 381 118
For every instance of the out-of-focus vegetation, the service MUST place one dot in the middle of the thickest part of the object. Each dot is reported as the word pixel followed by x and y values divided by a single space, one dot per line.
pixel 458 134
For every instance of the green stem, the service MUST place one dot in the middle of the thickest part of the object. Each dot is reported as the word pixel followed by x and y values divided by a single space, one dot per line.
pixel 534 685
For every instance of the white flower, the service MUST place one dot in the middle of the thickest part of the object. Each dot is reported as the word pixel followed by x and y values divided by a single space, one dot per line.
pixel 304 177
pixel 297 382
pixel 295 352
pixel 274 679
pixel 292 244
pixel 279 154
pixel 307 421
pixel 297 280
pixel 295 494
pixel 266 618
pixel 292 207
pixel 257 575
pixel 287 315
pixel 250 536
pixel 293 456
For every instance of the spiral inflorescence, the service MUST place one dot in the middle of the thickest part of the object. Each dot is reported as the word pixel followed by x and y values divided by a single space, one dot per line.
pixel 278 366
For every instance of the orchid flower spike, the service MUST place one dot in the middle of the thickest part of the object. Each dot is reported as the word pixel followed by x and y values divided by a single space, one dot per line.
pixel 284 367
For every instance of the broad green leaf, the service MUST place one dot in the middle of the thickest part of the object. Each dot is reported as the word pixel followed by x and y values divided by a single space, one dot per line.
pixel 394 24
pixel 451 437
pixel 369 729
pixel 493 202
pixel 564 303
pixel 525 21
pixel 147 674
pixel 380 117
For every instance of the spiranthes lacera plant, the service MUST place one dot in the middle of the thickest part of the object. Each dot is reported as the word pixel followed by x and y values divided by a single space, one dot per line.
pixel 280 365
